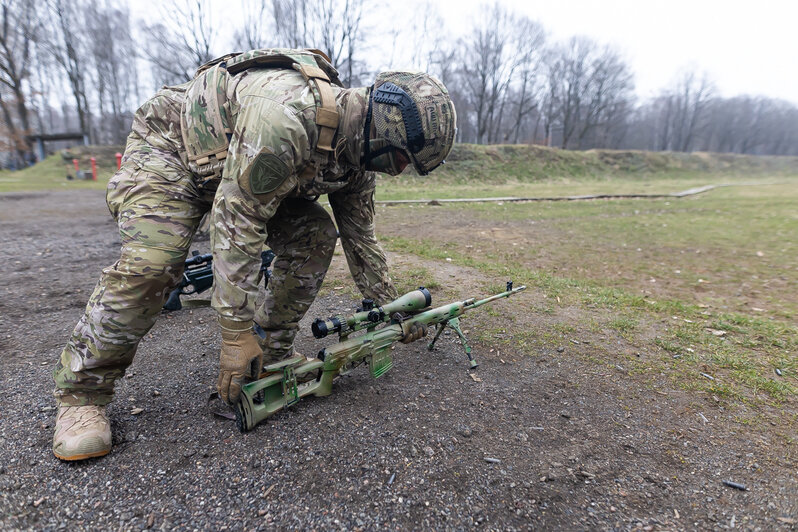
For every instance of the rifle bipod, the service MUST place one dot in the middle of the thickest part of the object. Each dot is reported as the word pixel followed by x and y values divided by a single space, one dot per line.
pixel 454 324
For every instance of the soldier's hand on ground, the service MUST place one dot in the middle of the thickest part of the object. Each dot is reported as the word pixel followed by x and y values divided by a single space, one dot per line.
pixel 240 349
pixel 415 331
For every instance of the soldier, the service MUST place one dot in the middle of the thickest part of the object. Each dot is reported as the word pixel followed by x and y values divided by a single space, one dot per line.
pixel 255 138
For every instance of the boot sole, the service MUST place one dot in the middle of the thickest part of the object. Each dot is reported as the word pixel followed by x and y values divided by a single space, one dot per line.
pixel 85 456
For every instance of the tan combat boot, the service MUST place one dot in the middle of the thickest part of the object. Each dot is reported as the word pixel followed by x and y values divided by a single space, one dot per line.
pixel 81 432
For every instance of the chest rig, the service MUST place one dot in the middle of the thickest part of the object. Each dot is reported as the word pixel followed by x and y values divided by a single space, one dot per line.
pixel 206 122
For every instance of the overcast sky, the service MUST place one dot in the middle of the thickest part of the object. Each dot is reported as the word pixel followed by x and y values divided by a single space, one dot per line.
pixel 746 47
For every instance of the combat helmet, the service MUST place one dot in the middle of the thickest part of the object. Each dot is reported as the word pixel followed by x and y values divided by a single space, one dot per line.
pixel 411 111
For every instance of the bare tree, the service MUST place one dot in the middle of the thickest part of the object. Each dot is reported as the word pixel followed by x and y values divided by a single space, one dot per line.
pixel 488 61
pixel 682 109
pixel 780 128
pixel 567 79
pixel 19 22
pixel 752 125
pixel 253 34
pixel 113 53
pixel 588 93
pixel 529 39
pixel 294 22
pixel 504 84
pixel 692 98
pixel 609 97
pixel 334 26
pixel 67 44
pixel 41 84
pixel 343 36
pixel 175 51
pixel 416 38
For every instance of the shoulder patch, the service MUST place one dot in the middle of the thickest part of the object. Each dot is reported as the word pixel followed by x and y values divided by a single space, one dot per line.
pixel 267 173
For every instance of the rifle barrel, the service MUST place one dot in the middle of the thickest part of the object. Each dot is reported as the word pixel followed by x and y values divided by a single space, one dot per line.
pixel 497 296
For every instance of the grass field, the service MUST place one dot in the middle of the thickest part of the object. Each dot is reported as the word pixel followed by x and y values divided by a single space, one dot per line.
pixel 51 173
pixel 702 288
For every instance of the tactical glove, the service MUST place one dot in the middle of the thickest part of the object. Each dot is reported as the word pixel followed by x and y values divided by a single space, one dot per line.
pixel 241 358
pixel 414 331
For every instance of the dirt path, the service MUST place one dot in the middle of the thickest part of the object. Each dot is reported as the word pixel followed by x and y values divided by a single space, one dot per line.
pixel 572 445
pixel 582 197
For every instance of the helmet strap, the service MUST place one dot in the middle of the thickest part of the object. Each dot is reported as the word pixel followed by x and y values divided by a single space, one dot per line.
pixel 383 150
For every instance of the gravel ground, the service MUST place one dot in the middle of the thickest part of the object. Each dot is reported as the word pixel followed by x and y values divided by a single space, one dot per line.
pixel 531 443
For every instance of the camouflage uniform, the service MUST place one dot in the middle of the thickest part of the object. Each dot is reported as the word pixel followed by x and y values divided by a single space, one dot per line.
pixel 158 200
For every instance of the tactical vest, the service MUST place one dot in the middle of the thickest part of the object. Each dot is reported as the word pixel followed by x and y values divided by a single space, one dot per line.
pixel 205 120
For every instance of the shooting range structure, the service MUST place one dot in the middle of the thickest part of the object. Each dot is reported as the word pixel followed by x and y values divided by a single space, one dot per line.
pixel 83 175
pixel 39 141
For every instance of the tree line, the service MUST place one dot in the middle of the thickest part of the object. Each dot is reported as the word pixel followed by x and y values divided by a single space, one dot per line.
pixel 85 65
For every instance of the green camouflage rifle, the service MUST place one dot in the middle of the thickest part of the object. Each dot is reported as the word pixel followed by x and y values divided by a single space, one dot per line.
pixel 282 384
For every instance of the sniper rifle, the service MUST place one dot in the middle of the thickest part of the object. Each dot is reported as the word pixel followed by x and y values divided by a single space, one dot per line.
pixel 282 384
pixel 198 277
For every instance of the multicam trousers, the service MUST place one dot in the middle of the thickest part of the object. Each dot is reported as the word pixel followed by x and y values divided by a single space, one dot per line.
pixel 158 213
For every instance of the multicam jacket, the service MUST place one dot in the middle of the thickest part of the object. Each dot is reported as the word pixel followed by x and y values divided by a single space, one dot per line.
pixel 270 121
pixel 272 155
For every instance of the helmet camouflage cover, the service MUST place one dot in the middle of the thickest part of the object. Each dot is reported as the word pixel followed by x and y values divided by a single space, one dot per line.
pixel 423 126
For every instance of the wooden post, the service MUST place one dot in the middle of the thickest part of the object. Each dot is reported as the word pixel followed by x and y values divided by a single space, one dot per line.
pixel 39 149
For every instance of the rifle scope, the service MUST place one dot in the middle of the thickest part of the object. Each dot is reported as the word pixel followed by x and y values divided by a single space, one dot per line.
pixel 410 302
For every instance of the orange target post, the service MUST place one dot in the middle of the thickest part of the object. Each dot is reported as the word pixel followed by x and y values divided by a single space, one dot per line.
pixel 94 169
pixel 118 160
